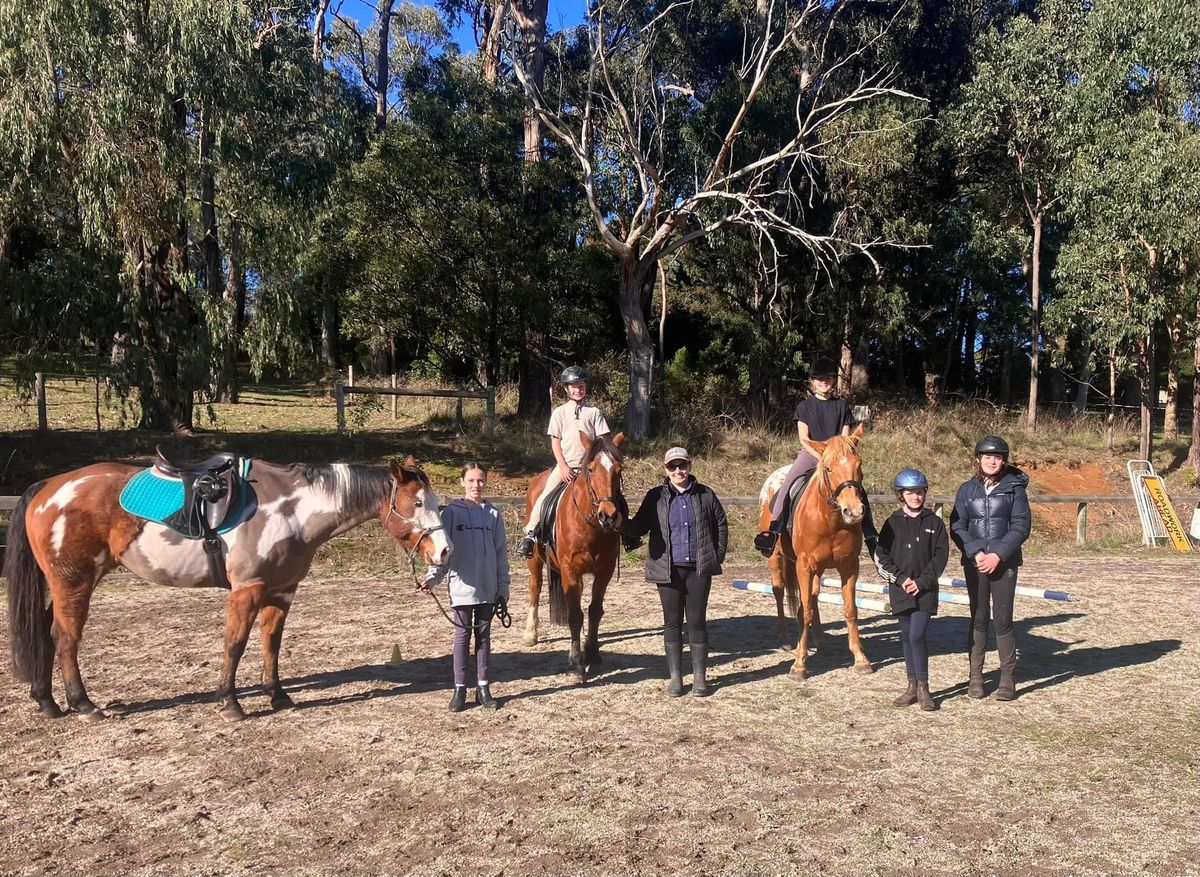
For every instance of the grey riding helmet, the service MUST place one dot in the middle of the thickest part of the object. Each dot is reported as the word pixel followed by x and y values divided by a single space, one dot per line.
pixel 910 479
pixel 992 444
pixel 573 374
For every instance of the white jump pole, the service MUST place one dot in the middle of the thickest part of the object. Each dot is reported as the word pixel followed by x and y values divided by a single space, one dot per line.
pixel 860 602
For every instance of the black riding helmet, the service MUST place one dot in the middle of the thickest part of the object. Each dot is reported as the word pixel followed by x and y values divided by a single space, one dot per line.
pixel 824 367
pixel 573 373
pixel 992 444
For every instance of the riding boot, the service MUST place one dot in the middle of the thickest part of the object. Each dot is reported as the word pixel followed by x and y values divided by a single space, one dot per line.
pixel 458 702
pixel 525 549
pixel 1006 648
pixel 700 670
pixel 910 694
pixel 978 650
pixel 924 698
pixel 483 697
pixel 765 541
pixel 674 667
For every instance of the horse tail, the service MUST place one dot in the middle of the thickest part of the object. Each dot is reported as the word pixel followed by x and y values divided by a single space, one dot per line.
pixel 28 615
pixel 558 600
pixel 793 597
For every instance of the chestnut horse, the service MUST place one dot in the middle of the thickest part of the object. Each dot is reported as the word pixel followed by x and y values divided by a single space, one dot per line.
pixel 588 526
pixel 67 532
pixel 826 533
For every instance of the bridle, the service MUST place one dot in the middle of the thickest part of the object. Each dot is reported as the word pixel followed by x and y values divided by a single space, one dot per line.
pixel 834 492
pixel 596 500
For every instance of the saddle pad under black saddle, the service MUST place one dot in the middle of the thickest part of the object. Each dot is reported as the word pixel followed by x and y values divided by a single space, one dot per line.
pixel 157 497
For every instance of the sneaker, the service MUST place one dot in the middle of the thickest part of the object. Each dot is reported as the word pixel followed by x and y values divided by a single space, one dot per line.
pixel 525 549
pixel 765 542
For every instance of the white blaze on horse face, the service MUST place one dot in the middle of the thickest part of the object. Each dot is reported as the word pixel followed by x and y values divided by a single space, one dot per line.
pixel 606 461
pixel 427 518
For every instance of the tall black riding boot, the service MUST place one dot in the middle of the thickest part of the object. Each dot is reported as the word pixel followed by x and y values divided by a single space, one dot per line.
pixel 700 670
pixel 978 650
pixel 1006 648
pixel 674 667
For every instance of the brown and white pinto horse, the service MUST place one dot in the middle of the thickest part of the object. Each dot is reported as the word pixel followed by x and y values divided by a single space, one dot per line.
pixel 588 526
pixel 826 533
pixel 69 531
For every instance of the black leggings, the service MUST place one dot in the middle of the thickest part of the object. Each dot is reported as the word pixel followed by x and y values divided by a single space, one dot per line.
pixel 913 625
pixel 686 591
pixel 1000 588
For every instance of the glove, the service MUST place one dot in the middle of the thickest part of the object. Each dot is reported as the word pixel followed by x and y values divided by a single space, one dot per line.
pixel 631 543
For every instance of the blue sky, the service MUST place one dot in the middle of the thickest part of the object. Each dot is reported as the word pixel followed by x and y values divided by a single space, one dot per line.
pixel 563 13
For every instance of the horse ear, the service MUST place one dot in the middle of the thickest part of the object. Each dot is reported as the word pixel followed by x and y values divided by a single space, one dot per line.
pixel 409 462
pixel 586 439
pixel 619 439
pixel 401 473
pixel 857 435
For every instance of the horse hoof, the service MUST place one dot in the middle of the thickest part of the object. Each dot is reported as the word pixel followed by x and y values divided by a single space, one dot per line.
pixel 92 715
pixel 281 701
pixel 232 712
pixel 577 676
pixel 530 640
pixel 864 669
pixel 50 710
pixel 797 676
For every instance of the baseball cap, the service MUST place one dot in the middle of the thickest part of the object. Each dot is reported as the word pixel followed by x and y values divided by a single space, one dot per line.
pixel 676 454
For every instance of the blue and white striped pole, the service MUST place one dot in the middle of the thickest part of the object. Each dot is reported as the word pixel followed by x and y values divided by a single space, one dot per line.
pixel 860 602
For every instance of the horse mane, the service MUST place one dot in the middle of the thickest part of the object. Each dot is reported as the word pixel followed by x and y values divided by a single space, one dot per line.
pixel 355 489
pixel 602 443
pixel 837 444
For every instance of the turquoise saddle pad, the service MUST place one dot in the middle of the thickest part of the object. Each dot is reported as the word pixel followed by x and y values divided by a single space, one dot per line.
pixel 155 497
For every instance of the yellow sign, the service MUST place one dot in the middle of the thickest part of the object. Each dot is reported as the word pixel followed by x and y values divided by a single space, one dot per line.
pixel 1166 513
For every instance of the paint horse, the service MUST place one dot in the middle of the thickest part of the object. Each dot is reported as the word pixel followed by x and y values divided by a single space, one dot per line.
pixel 69 531
pixel 826 533
pixel 587 526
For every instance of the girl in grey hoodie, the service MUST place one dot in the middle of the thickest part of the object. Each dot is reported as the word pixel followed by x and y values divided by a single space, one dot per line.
pixel 477 573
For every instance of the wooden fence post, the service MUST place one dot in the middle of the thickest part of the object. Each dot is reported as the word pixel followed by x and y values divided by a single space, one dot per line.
pixel 39 383
pixel 491 412
pixel 340 392
pixel 350 376
pixel 1081 524
pixel 458 421
pixel 394 397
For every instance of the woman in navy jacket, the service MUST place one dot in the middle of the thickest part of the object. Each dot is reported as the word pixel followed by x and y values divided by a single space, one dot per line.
pixel 688 536
pixel 990 522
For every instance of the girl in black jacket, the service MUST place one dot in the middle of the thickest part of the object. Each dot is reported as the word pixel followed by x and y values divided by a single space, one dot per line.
pixel 913 550
pixel 990 522
pixel 688 536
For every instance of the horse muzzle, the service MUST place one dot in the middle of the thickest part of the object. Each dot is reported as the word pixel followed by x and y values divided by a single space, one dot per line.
pixel 852 516
pixel 609 522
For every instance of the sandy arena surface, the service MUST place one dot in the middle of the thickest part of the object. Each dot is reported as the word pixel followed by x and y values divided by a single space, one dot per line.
pixel 1093 770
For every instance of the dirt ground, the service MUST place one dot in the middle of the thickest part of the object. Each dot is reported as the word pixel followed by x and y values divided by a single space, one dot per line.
pixel 1093 770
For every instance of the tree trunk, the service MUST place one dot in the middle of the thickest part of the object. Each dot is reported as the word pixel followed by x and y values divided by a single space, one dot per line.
pixel 1145 378
pixel 6 224
pixel 319 30
pixel 490 50
pixel 382 76
pixel 1111 420
pixel 1006 364
pixel 210 246
pixel 234 295
pixel 1035 320
pixel 860 367
pixel 329 326
pixel 932 394
pixel 640 342
pixel 1174 342
pixel 532 18
pixel 163 336
pixel 1085 373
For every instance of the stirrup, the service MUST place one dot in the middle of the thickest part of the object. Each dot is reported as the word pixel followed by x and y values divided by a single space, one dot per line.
pixel 525 549
pixel 765 542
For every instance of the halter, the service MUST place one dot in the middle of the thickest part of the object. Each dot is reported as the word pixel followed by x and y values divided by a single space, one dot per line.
pixel 422 533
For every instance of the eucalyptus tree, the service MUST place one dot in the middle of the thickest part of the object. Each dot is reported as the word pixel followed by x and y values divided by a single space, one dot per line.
pixel 1010 128
pixel 662 107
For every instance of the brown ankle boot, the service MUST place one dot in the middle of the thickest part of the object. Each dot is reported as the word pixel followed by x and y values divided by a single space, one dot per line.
pixel 1006 648
pixel 910 694
pixel 978 650
pixel 924 698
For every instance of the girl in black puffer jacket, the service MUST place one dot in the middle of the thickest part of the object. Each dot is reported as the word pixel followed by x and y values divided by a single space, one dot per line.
pixel 990 522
